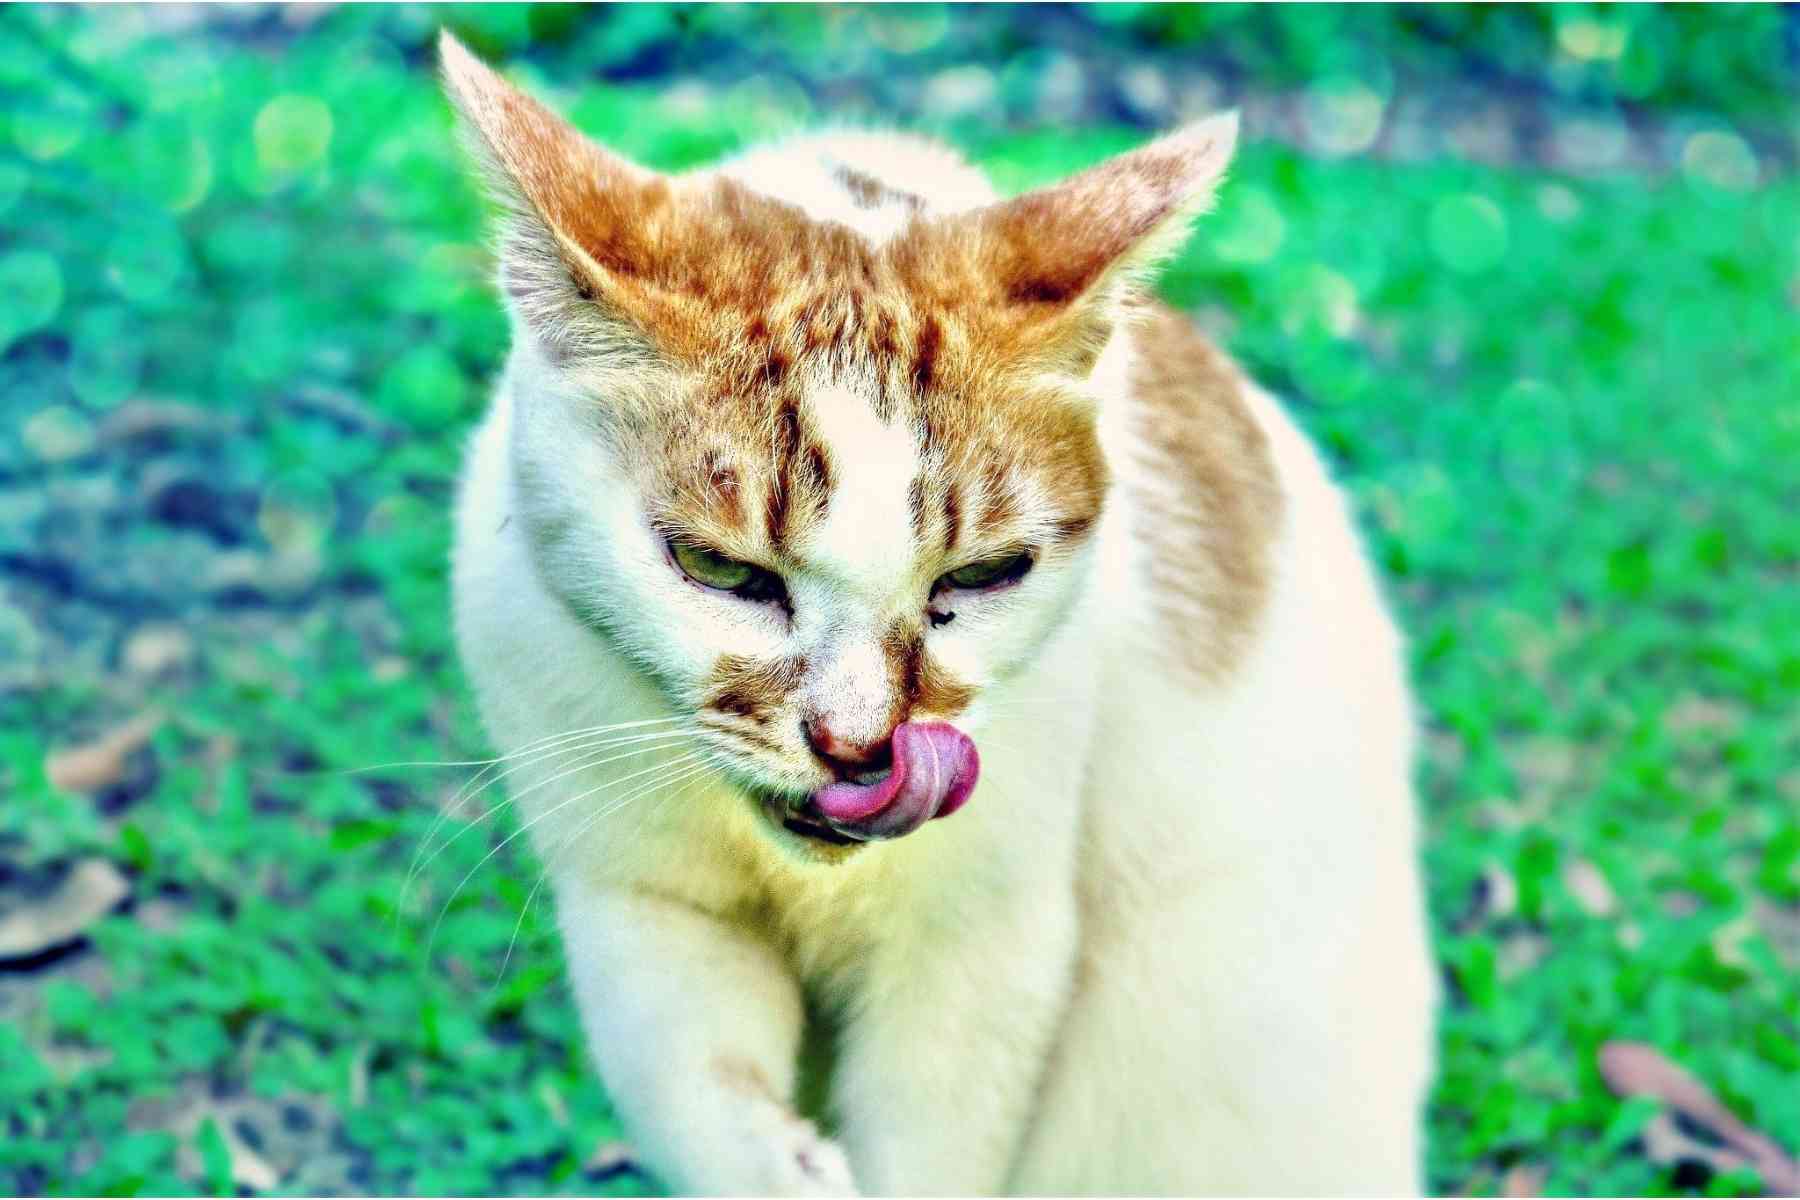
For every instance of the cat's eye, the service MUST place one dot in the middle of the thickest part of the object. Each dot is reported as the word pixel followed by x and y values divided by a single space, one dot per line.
pixel 988 573
pixel 709 568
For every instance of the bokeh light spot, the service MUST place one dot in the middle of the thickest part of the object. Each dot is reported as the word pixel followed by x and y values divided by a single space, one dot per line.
pixel 1720 158
pixel 768 101
pixel 170 165
pixel 1343 116
pixel 1595 142
pixel 1316 297
pixel 297 512
pixel 960 91
pixel 1558 203
pixel 1535 433
pixel 1590 40
pixel 145 262
pixel 909 28
pixel 50 124
pixel 58 433
pixel 31 293
pixel 20 641
pixel 106 357
pixel 12 185
pixel 1467 232
pixel 426 387
pixel 1251 228
pixel 292 132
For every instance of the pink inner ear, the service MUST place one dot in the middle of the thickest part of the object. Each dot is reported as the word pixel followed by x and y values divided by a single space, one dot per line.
pixel 935 769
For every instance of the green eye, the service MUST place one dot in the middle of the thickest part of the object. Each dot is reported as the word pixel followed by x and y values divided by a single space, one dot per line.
pixel 989 572
pixel 711 568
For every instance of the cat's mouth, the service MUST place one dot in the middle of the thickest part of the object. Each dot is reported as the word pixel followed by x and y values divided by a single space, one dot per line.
pixel 935 766
pixel 818 831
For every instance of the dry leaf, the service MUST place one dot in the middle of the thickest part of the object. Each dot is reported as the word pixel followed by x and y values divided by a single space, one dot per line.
pixel 87 893
pixel 554 1103
pixel 271 1142
pixel 1590 889
pixel 1524 1180
pixel 101 762
pixel 1499 891
pixel 608 1157
pixel 1667 1145
pixel 1494 897
pixel 248 1168
pixel 1479 1183
pixel 1694 711
pixel 1521 951
pixel 359 1074
pixel 1638 1069
pixel 157 650
pixel 148 418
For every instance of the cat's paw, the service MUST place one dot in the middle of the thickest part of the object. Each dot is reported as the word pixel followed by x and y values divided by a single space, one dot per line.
pixel 795 1159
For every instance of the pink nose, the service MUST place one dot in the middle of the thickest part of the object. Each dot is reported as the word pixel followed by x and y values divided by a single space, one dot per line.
pixel 845 756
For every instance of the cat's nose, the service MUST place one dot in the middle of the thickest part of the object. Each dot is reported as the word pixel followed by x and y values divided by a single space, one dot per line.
pixel 847 756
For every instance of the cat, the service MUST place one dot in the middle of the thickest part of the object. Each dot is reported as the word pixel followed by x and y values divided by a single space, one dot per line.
pixel 911 635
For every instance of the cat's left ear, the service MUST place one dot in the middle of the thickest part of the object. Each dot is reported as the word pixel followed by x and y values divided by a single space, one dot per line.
pixel 582 223
pixel 1052 266
pixel 1076 239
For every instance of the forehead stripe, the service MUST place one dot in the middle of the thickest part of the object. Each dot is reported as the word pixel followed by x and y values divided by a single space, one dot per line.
pixel 952 517
pixel 915 504
pixel 818 474
pixel 800 473
pixel 781 478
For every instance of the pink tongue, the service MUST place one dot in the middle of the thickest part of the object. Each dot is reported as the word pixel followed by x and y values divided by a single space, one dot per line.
pixel 935 767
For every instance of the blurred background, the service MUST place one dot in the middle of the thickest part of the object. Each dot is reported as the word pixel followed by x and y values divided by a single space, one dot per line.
pixel 1530 275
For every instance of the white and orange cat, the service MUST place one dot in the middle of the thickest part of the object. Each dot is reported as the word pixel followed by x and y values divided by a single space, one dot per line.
pixel 909 631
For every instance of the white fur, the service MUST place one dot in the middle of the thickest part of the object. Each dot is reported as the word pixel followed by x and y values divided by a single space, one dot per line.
pixel 1174 943
pixel 801 172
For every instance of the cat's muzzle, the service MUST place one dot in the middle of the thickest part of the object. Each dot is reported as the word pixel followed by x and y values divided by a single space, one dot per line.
pixel 935 766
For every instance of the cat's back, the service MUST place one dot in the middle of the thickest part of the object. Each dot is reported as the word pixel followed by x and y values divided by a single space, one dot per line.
pixel 1247 858
pixel 1242 563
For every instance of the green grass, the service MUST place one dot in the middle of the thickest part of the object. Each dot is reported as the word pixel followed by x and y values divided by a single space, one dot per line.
pixel 1569 409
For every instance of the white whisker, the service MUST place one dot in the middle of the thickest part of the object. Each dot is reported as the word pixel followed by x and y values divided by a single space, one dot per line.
pixel 525 749
pixel 553 810
pixel 657 740
pixel 553 746
pixel 587 826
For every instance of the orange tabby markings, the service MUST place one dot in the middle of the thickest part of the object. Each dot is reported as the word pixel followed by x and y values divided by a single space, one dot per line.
pixel 1209 531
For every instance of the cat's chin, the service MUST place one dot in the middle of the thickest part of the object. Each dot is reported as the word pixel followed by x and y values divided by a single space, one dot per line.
pixel 804 838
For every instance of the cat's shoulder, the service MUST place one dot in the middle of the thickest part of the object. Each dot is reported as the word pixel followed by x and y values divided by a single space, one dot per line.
pixel 873 181
pixel 1186 386
pixel 1206 486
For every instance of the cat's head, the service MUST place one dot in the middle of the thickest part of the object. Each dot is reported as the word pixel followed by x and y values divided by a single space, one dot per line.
pixel 827 490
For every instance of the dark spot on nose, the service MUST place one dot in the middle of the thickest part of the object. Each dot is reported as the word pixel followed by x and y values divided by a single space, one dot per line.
pixel 847 757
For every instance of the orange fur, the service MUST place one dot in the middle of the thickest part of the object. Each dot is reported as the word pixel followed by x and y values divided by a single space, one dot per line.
pixel 974 329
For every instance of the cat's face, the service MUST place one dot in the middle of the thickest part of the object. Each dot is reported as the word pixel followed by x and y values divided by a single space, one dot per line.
pixel 828 493
pixel 809 559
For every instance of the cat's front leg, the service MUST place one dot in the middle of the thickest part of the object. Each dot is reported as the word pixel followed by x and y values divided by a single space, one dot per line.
pixel 695 1026
pixel 937 1072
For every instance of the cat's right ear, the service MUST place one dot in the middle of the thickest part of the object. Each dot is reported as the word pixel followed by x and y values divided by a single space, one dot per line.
pixel 580 222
